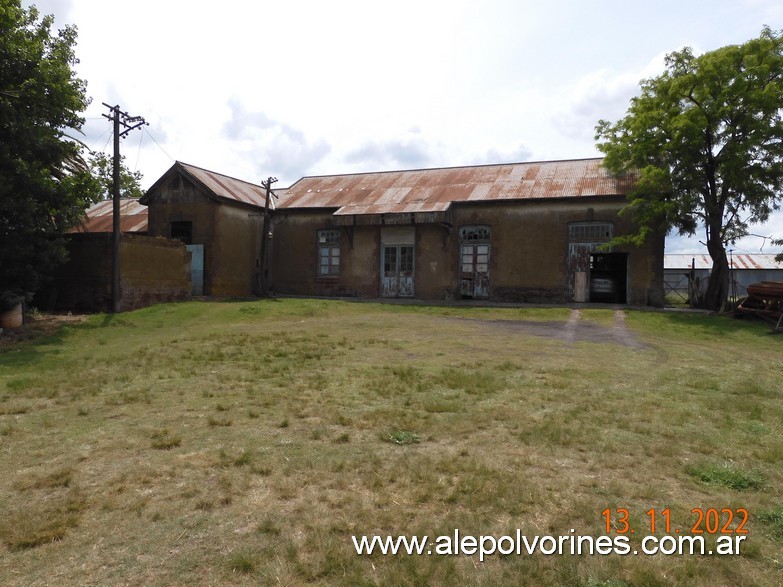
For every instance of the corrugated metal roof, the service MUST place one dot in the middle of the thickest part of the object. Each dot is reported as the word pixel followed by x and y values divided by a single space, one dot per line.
pixel 227 187
pixel 434 190
pixel 99 217
pixel 741 261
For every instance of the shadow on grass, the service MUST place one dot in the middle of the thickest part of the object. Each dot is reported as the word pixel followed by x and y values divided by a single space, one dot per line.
pixel 39 344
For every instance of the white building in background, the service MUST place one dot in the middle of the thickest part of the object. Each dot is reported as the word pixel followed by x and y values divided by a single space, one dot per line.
pixel 746 269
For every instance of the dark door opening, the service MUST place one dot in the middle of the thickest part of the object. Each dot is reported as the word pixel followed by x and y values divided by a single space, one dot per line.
pixel 182 231
pixel 609 278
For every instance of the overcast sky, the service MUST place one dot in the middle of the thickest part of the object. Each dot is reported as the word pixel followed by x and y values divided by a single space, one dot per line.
pixel 306 87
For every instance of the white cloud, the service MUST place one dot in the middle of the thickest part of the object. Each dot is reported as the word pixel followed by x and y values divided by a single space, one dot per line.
pixel 274 147
pixel 601 94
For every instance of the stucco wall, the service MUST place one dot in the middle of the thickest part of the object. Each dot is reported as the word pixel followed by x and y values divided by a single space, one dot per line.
pixel 528 262
pixel 235 253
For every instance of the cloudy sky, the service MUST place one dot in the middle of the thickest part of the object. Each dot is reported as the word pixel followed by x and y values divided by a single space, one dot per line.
pixel 306 87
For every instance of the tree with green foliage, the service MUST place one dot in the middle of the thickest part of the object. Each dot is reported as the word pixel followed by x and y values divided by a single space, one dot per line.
pixel 705 139
pixel 45 184
pixel 102 167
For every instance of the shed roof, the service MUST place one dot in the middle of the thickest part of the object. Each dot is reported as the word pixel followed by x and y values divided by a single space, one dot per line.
pixel 100 218
pixel 742 261
pixel 434 190
pixel 217 185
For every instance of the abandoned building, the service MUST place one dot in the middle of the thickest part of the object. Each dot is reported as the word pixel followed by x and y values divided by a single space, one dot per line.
pixel 219 219
pixel 523 232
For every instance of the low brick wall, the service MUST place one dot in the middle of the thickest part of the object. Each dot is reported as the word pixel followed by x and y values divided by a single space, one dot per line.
pixel 152 270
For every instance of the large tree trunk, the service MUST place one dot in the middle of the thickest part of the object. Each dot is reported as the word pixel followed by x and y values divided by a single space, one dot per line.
pixel 718 286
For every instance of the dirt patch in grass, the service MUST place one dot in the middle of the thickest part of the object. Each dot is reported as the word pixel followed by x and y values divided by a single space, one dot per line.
pixel 575 329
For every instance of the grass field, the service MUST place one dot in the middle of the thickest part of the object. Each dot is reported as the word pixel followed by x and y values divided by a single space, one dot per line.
pixel 244 443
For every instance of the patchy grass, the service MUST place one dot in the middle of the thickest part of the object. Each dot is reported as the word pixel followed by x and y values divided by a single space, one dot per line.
pixel 41 521
pixel 164 440
pixel 728 475
pixel 242 562
pixel 773 519
pixel 403 437
pixel 244 443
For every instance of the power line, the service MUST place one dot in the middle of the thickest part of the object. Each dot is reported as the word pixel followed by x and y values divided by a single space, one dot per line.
pixel 138 153
pixel 158 144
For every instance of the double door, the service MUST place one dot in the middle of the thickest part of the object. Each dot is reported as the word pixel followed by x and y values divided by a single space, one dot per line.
pixel 397 269
pixel 474 270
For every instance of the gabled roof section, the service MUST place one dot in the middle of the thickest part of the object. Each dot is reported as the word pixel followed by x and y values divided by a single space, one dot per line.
pixel 435 190
pixel 100 217
pixel 216 185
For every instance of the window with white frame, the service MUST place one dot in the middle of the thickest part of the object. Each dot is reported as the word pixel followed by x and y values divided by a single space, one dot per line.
pixel 328 253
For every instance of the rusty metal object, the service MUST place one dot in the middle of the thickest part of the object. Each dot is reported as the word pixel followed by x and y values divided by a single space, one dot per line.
pixel 765 300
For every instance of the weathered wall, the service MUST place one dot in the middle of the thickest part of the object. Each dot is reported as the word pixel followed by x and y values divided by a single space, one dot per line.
pixel 528 260
pixel 182 201
pixel 294 257
pixel 229 232
pixel 152 270
pixel 437 258
pixel 235 253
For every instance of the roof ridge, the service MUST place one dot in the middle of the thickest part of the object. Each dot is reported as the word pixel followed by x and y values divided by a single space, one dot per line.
pixel 183 164
pixel 450 167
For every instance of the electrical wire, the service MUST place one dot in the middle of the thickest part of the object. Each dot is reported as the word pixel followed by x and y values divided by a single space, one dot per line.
pixel 157 143
pixel 106 144
pixel 138 153
pixel 95 142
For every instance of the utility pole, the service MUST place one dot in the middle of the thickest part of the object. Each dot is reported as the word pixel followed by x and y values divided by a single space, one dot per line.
pixel 265 236
pixel 128 123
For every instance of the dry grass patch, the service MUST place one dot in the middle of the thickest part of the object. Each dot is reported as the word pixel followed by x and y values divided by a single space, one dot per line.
pixel 42 519
pixel 164 440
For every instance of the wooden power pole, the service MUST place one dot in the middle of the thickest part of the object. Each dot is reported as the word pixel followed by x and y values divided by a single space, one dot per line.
pixel 127 123
pixel 265 237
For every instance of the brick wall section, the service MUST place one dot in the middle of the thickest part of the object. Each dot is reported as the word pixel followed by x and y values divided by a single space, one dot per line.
pixel 153 270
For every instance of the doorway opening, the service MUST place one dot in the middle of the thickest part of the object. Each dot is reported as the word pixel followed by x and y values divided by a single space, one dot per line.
pixel 609 278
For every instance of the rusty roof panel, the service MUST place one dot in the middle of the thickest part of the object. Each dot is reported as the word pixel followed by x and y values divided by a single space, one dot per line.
pixel 100 218
pixel 230 188
pixel 743 261
pixel 398 209
pixel 391 192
